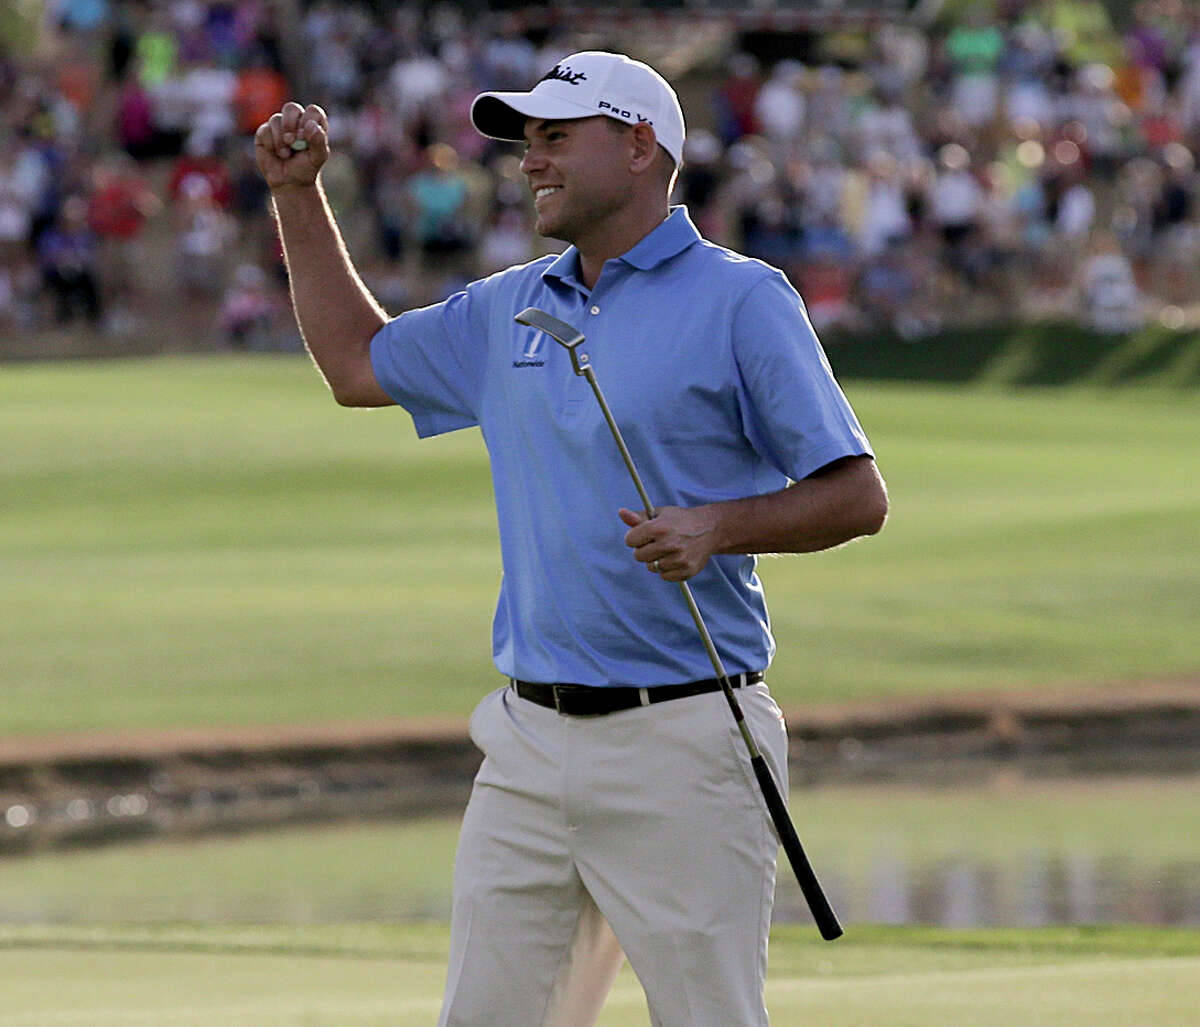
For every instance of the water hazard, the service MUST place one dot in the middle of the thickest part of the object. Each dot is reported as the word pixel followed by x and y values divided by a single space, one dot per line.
pixel 1006 853
pixel 999 852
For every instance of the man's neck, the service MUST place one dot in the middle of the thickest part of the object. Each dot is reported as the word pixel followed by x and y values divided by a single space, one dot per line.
pixel 615 241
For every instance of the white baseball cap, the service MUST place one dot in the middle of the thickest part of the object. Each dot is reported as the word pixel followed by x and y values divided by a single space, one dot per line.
pixel 585 85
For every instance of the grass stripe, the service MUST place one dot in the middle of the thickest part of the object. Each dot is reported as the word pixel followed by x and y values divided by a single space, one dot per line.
pixel 892 977
pixel 425 941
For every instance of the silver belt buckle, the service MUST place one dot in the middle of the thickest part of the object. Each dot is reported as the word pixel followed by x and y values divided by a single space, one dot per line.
pixel 557 701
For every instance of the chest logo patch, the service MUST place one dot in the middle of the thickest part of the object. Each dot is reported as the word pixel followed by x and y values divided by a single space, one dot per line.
pixel 531 355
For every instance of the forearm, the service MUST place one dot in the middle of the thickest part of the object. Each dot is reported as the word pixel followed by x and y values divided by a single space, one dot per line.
pixel 814 514
pixel 335 311
pixel 841 502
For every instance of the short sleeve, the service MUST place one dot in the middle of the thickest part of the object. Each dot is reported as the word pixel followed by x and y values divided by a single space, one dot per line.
pixel 431 362
pixel 794 412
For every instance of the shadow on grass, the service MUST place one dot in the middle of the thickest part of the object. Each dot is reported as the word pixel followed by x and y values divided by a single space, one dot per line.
pixel 1052 353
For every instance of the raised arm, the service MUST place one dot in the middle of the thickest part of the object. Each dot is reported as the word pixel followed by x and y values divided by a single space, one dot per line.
pixel 840 502
pixel 336 312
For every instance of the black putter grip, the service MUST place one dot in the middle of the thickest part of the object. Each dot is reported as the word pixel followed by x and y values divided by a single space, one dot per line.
pixel 826 919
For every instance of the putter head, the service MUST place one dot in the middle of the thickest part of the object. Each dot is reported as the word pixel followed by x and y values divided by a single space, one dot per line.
pixel 564 334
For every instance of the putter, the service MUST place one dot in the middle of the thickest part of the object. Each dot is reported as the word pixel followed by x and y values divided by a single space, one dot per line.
pixel 826 919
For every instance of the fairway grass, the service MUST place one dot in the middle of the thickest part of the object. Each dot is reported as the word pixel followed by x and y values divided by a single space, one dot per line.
pixel 212 541
pixel 350 975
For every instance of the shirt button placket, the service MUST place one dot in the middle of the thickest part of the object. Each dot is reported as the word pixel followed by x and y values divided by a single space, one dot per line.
pixel 573 399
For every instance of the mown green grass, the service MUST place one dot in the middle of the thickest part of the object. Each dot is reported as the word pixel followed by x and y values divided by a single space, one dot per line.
pixel 365 976
pixel 189 541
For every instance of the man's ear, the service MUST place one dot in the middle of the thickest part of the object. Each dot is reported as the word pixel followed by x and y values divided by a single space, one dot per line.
pixel 643 148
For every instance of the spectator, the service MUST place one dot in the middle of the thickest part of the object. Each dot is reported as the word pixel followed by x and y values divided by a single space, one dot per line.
pixel 1189 89
pixel 1092 118
pixel 510 60
pixel 438 198
pixel 204 236
pixel 67 254
pixel 886 126
pixel 955 199
pixel 826 283
pixel 136 131
pixel 900 59
pixel 1175 204
pixel 18 197
pixel 699 182
pixel 203 157
pixel 1109 296
pixel 885 221
pixel 8 294
pixel 1076 211
pixel 1174 227
pixel 122 42
pixel 121 202
pixel 1001 243
pixel 77 77
pixel 1026 70
pixel 249 310
pixel 207 91
pixel 779 106
pixel 23 180
pixel 1138 186
pixel 391 202
pixel 822 184
pixel 1140 79
pixel 417 82
pixel 81 16
pixel 259 91
pixel 829 111
pixel 336 77
pixel 974 49
pixel 735 99
pixel 886 290
pixel 156 50
pixel 506 241
pixel 1084 29
pixel 769 228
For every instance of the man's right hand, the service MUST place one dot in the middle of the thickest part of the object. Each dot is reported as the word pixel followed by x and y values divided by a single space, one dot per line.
pixel 280 164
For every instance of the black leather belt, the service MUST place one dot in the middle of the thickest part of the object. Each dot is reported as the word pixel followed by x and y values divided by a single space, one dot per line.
pixel 591 701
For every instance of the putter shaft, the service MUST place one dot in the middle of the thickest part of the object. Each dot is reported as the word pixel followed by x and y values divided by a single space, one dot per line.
pixel 826 919
pixel 818 903
pixel 651 512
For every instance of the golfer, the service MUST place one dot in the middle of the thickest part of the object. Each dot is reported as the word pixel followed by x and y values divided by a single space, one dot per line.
pixel 615 811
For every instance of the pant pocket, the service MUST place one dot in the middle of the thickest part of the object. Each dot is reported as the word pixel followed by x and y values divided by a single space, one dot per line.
pixel 477 725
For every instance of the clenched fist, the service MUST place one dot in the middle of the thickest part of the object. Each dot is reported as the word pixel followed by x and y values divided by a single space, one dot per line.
pixel 292 145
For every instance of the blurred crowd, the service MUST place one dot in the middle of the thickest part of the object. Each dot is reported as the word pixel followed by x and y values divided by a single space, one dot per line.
pixel 1024 158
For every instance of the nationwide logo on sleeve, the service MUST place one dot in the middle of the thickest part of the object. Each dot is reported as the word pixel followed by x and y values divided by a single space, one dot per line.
pixel 531 355
pixel 564 74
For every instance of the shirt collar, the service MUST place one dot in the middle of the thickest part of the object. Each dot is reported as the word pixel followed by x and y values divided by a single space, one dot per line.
pixel 674 235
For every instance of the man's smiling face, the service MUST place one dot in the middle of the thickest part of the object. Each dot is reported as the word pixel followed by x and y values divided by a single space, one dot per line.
pixel 578 171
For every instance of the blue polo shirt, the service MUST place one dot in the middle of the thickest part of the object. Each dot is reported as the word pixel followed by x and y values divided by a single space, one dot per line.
pixel 721 390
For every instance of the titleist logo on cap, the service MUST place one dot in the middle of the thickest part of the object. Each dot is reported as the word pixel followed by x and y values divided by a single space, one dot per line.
pixel 564 74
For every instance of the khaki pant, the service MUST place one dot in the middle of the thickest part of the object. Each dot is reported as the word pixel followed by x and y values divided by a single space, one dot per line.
pixel 649 820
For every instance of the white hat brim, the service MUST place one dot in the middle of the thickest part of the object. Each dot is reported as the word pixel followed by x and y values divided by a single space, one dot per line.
pixel 503 115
